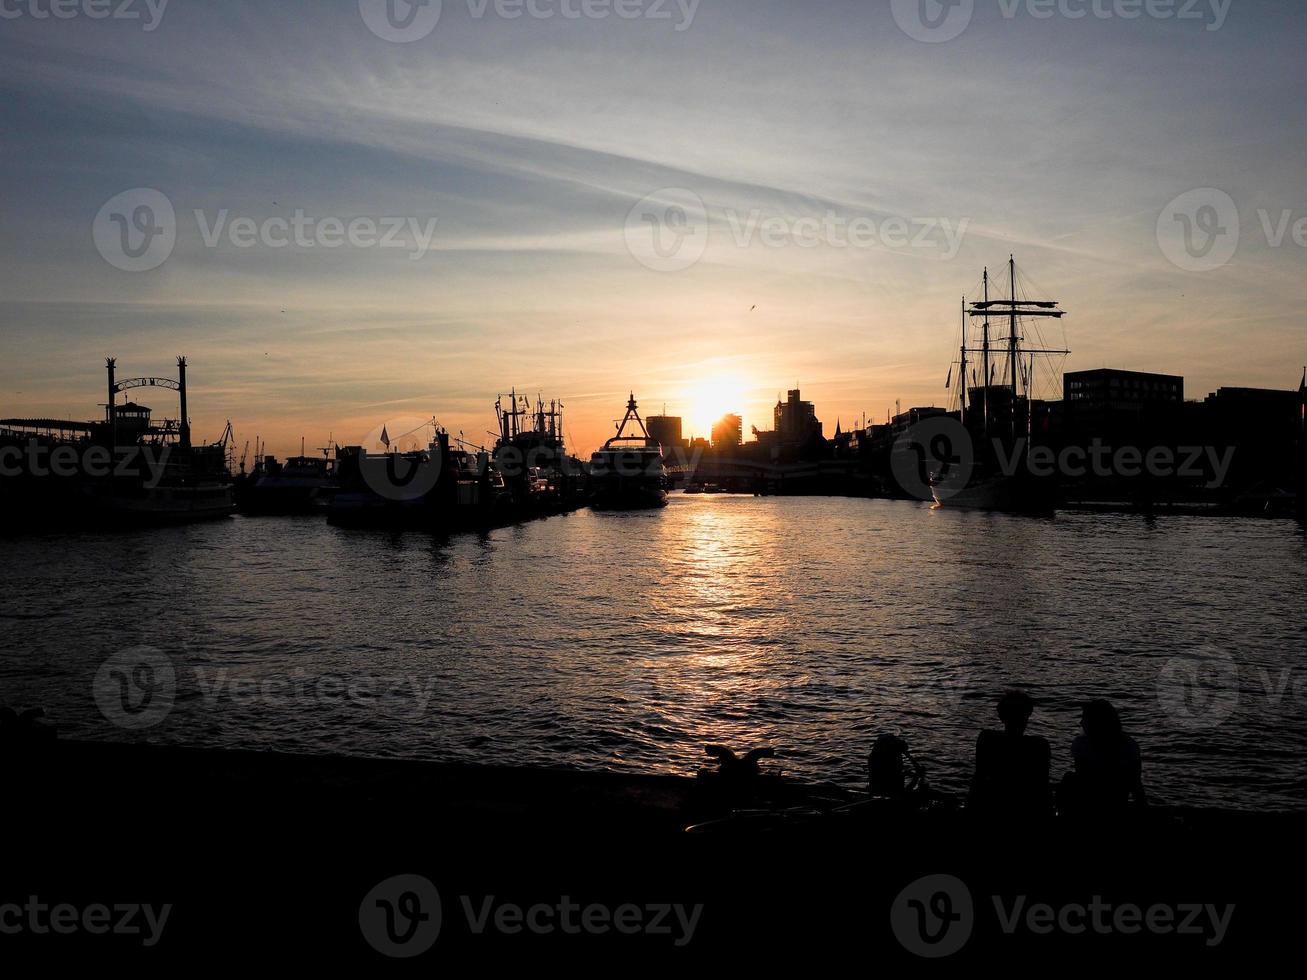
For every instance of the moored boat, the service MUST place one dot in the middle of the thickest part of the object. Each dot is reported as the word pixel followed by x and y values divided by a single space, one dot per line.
pixel 300 485
pixel 128 468
pixel 997 419
pixel 629 472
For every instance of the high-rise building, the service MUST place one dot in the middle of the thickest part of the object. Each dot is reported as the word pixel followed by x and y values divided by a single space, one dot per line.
pixel 728 432
pixel 666 429
pixel 796 421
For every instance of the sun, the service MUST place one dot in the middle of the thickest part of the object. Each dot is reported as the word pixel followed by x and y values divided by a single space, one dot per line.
pixel 709 400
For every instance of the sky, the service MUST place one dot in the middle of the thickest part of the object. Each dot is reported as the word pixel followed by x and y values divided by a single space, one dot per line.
pixel 703 203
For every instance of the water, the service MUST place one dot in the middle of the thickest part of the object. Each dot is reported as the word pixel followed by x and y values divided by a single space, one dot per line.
pixel 631 641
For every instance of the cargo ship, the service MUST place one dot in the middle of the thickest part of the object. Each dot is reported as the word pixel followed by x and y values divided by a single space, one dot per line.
pixel 127 468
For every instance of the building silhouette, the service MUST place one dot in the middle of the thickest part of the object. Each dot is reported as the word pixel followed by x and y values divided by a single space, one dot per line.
pixel 728 432
pixel 666 429
pixel 795 421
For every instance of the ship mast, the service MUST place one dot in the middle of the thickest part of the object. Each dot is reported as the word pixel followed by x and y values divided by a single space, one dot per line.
pixel 1012 330
pixel 962 394
pixel 1015 308
pixel 984 363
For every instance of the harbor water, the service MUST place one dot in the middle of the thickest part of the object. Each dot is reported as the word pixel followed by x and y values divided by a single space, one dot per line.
pixel 630 641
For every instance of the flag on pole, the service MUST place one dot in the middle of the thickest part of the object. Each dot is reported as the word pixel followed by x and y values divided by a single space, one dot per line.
pixel 385 437
pixel 949 382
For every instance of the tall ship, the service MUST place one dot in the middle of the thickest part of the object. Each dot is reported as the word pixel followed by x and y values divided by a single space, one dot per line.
pixel 629 472
pixel 130 467
pixel 1000 358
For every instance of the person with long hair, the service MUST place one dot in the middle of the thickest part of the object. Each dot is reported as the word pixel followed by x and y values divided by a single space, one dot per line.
pixel 1108 774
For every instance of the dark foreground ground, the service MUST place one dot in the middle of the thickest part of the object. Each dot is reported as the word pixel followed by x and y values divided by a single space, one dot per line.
pixel 265 858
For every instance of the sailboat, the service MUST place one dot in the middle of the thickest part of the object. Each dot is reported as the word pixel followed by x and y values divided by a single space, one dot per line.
pixel 629 473
pixel 1000 417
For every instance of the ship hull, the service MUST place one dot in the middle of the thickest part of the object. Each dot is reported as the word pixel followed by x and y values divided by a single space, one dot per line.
pixel 165 505
pixel 628 497
pixel 1001 493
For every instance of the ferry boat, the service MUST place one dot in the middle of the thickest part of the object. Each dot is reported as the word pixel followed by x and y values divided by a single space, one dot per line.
pixel 128 468
pixel 629 472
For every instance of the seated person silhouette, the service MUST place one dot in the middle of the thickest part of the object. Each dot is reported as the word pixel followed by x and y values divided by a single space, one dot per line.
pixel 1011 766
pixel 1108 773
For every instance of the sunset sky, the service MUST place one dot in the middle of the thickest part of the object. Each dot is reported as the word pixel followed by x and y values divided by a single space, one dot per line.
pixel 530 141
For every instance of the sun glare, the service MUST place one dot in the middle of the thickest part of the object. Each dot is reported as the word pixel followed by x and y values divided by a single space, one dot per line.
pixel 709 400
